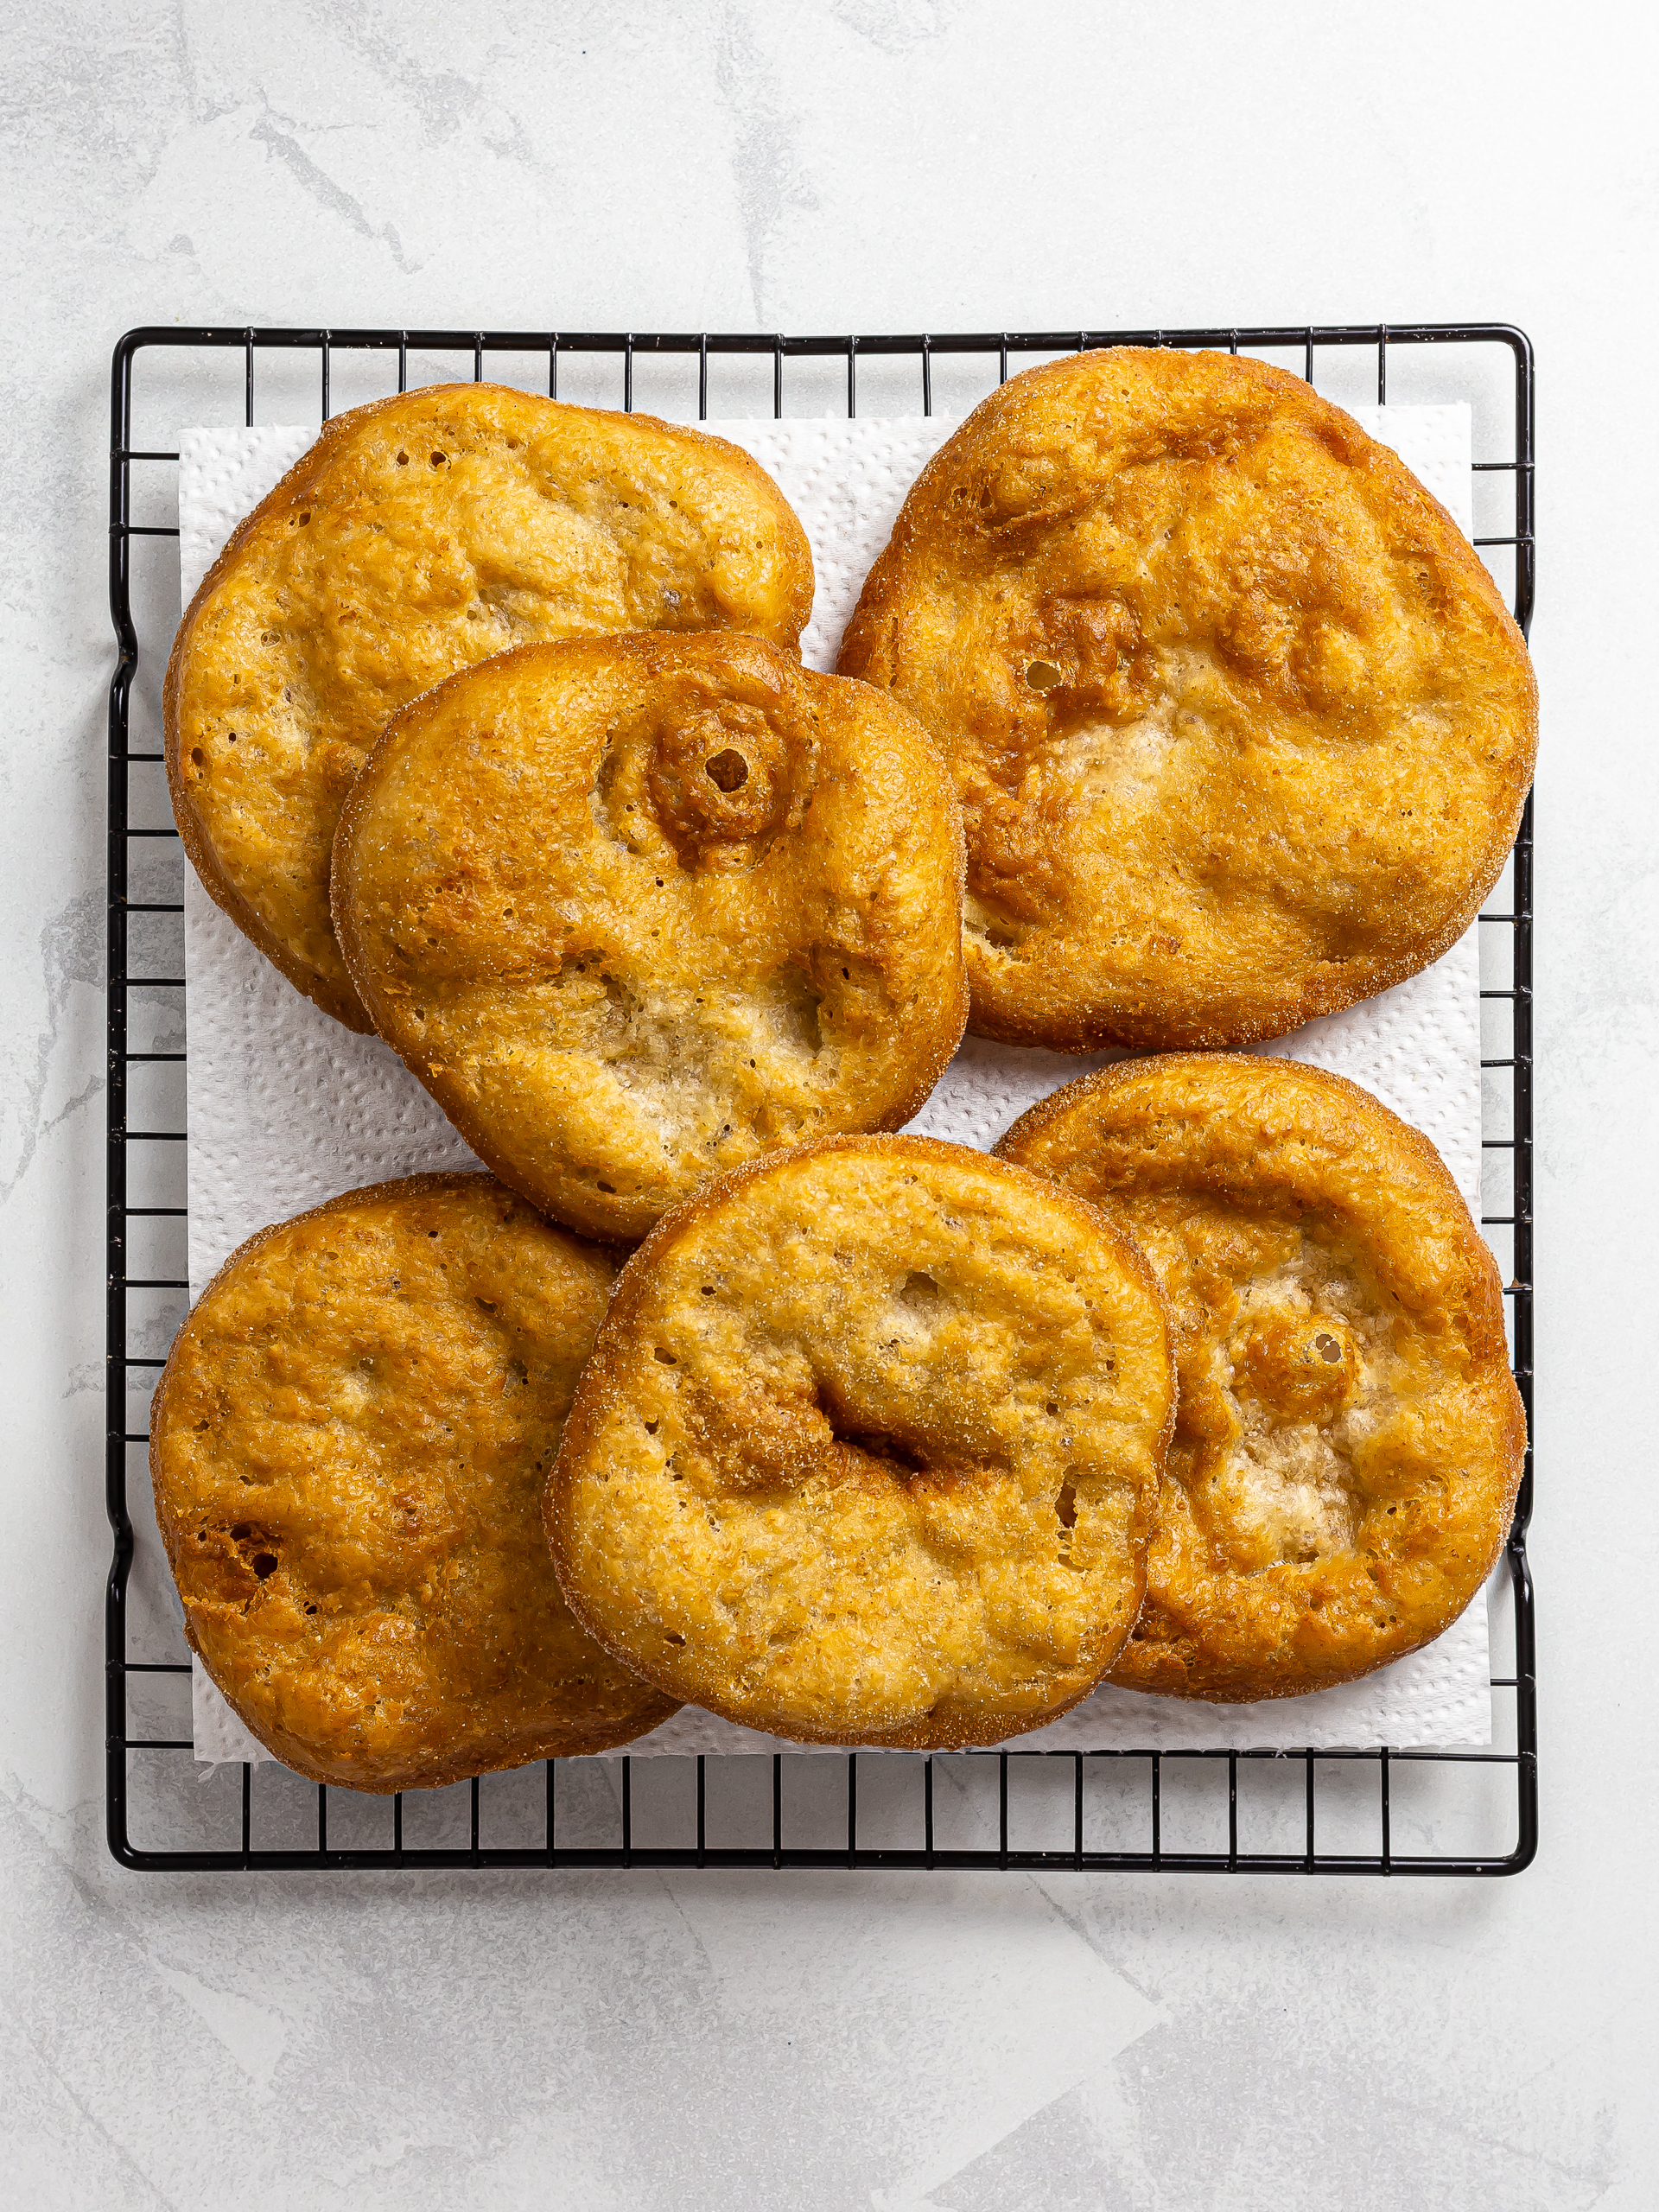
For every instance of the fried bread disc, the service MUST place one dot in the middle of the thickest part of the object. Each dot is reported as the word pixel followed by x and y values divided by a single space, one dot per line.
pixel 349 1446
pixel 639 909
pixel 419 535
pixel 1241 724
pixel 1350 1438
pixel 866 1447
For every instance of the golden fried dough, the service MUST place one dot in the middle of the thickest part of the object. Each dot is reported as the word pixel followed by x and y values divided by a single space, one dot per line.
pixel 1241 724
pixel 349 1446
pixel 639 908
pixel 1350 1438
pixel 866 1447
pixel 420 535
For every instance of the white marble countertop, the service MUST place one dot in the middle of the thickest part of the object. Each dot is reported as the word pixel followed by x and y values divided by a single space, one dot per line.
pixel 665 2043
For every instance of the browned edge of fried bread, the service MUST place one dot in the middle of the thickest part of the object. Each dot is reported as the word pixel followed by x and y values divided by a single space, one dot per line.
pixel 1489 1341
pixel 868 651
pixel 285 497
pixel 286 1753
pixel 343 886
pixel 595 1387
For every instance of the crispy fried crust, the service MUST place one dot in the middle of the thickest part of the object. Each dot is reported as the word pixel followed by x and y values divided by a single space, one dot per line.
pixel 1241 724
pixel 638 909
pixel 865 1449
pixel 418 536
pixel 1349 1438
pixel 349 1445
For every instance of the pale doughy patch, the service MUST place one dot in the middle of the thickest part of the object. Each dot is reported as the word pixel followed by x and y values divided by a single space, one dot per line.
pixel 1241 726
pixel 1350 1438
pixel 638 909
pixel 865 1449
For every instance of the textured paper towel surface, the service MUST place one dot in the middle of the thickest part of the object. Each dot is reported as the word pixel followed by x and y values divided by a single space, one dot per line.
pixel 1437 1696
pixel 286 1109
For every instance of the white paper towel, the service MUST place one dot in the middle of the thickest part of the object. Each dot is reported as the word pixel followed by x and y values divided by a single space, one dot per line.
pixel 286 1109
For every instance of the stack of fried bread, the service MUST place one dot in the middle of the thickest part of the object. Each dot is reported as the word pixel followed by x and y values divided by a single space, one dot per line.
pixel 1175 713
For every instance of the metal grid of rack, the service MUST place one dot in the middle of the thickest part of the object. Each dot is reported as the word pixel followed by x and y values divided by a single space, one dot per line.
pixel 1368 1812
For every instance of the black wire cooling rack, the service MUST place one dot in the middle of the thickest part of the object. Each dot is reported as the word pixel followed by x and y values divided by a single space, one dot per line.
pixel 1372 1812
